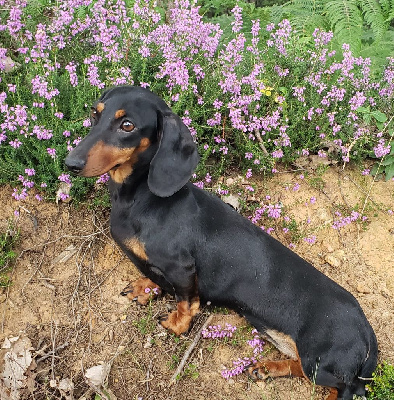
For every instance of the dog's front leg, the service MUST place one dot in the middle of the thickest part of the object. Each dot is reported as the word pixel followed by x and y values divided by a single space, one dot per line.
pixel 188 304
pixel 143 290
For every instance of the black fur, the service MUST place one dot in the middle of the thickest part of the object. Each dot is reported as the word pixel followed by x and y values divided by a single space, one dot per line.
pixel 196 243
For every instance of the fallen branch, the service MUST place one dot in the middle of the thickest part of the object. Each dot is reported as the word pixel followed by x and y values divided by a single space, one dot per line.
pixel 189 351
pixel 261 143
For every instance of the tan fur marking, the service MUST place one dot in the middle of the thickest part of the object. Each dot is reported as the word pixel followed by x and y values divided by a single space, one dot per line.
pixel 136 289
pixel 102 158
pixel 333 395
pixel 268 368
pixel 120 114
pixel 195 306
pixel 274 369
pixel 179 321
pixel 126 169
pixel 100 107
pixel 284 343
pixel 144 143
pixel 121 173
pixel 137 247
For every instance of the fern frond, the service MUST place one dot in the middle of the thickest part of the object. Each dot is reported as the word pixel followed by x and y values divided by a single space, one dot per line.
pixel 278 12
pixel 390 11
pixel 298 8
pixel 346 21
pixel 374 17
pixel 308 23
pixel 387 7
pixel 311 6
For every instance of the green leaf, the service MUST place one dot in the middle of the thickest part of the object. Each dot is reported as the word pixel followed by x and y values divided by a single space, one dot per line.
pixel 389 172
pixel 363 110
pixel 374 169
pixel 379 116
pixel 387 161
pixel 374 17
pixel 346 21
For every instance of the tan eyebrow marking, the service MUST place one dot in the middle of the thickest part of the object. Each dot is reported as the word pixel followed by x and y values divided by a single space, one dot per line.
pixel 120 113
pixel 100 107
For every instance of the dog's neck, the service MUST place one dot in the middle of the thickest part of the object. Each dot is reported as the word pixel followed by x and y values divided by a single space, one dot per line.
pixel 126 190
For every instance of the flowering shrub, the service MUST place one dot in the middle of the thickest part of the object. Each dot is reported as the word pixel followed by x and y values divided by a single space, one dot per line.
pixel 217 331
pixel 240 364
pixel 253 99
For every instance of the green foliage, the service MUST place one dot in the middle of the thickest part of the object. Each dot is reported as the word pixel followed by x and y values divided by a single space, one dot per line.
pixel 386 165
pixel 305 15
pixel 191 371
pixel 382 386
pixel 262 96
pixel 346 18
pixel 146 324
pixel 378 51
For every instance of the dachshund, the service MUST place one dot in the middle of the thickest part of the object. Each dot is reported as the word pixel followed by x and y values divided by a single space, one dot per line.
pixel 191 244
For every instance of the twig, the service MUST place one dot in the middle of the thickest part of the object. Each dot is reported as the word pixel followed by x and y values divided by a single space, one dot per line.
pixel 52 352
pixel 261 143
pixel 37 270
pixel 189 351
pixel 148 376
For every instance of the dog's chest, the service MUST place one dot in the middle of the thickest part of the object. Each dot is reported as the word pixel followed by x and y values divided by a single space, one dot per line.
pixel 126 229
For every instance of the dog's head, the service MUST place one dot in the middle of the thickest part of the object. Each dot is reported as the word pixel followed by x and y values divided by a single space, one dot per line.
pixel 133 131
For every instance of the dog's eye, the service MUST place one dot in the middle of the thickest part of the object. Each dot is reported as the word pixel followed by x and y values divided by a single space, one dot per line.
pixel 127 126
pixel 93 113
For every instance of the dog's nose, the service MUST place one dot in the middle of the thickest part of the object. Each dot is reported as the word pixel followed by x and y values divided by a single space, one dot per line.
pixel 74 164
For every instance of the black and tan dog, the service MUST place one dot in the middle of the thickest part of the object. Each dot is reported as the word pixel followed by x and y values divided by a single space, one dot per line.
pixel 193 245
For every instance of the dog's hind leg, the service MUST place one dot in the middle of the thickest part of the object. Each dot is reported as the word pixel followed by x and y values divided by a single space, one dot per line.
pixel 142 289
pixel 272 369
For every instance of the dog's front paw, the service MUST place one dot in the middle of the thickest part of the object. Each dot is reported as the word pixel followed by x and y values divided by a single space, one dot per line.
pixel 143 290
pixel 176 323
pixel 257 371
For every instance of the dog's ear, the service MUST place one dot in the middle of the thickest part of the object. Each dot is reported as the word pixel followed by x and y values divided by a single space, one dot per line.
pixel 176 158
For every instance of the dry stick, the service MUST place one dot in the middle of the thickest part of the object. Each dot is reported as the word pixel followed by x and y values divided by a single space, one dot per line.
pixel 39 265
pixel 53 334
pixel 261 143
pixel 52 352
pixel 189 350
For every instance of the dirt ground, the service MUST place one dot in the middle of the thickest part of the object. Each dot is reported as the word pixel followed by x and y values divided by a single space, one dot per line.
pixel 69 300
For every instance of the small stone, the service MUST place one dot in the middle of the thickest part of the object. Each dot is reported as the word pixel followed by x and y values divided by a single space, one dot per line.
pixel 363 289
pixel 10 64
pixel 232 200
pixel 333 261
pixel 327 247
pixel 229 181
pixel 148 343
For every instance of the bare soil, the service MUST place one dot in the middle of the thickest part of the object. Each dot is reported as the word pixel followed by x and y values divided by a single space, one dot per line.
pixel 74 304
